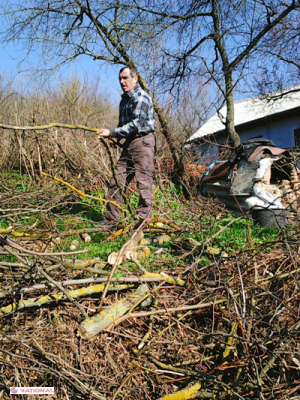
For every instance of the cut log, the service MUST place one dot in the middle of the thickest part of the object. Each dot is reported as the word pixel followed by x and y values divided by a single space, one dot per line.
pixel 92 326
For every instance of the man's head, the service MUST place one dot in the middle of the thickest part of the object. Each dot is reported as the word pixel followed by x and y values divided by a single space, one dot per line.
pixel 128 79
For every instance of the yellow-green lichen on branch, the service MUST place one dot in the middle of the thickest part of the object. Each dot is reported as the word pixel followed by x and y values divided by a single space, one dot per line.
pixel 190 392
pixel 82 194
pixel 169 279
pixel 38 302
pixel 92 326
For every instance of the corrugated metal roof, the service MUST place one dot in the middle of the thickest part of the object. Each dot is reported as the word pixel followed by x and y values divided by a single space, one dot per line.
pixel 252 109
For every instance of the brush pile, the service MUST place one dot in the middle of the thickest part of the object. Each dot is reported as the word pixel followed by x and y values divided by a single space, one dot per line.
pixel 227 329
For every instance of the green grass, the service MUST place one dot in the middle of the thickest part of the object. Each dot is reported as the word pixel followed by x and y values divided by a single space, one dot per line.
pixel 168 197
pixel 15 181
pixel 240 235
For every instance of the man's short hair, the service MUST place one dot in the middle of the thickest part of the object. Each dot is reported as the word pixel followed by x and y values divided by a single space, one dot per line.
pixel 133 71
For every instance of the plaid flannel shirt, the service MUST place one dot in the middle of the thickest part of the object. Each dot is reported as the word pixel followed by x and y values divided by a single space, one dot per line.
pixel 136 117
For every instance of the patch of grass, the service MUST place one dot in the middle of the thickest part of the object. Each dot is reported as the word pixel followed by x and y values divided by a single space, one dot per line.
pixel 99 247
pixel 15 181
pixel 169 197
pixel 237 236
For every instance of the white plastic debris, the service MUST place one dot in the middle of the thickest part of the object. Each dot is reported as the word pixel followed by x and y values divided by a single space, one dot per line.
pixel 269 198
pixel 253 202
pixel 262 172
pixel 263 199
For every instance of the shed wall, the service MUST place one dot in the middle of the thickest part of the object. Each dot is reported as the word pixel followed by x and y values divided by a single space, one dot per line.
pixel 281 132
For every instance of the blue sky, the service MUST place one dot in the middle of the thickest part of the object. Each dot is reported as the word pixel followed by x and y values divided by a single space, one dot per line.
pixel 85 67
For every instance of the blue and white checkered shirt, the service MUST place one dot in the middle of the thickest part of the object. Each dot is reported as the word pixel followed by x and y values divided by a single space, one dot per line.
pixel 136 117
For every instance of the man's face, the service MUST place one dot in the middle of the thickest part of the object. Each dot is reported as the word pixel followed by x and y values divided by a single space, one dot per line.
pixel 127 82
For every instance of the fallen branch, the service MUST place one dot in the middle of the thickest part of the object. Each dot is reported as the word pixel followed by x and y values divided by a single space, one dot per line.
pixel 81 193
pixel 190 392
pixel 85 128
pixel 8 242
pixel 38 302
pixel 165 311
pixel 65 292
pixel 92 326
pixel 154 229
pixel 147 278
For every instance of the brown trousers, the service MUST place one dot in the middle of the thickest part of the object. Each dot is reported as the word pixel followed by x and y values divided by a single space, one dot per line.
pixel 136 160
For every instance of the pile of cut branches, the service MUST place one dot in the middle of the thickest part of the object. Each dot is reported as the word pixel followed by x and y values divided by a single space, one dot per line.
pixel 142 327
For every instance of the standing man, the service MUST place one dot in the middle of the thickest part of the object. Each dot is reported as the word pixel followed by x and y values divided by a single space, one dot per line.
pixel 136 126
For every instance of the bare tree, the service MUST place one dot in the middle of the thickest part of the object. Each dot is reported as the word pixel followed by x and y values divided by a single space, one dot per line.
pixel 225 41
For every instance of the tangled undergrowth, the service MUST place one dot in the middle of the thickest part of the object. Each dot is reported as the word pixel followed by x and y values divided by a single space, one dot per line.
pixel 226 326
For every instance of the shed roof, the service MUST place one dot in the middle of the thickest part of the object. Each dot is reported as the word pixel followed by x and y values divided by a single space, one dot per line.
pixel 250 110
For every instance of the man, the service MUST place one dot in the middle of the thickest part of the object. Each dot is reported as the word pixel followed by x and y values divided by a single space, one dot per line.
pixel 136 126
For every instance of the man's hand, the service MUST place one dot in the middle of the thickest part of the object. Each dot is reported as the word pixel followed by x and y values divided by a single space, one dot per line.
pixel 105 133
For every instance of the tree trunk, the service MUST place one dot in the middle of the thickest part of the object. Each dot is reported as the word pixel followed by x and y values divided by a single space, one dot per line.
pixel 229 98
pixel 234 137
